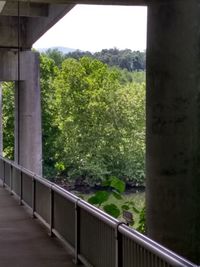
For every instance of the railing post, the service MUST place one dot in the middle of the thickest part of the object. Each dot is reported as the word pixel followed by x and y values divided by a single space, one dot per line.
pixel 77 232
pixel 4 178
pixel 11 179
pixel 33 196
pixel 51 211
pixel 21 188
pixel 118 246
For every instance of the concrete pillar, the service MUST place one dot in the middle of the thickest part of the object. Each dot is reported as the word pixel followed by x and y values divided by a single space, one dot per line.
pixel 8 65
pixel 173 126
pixel 28 134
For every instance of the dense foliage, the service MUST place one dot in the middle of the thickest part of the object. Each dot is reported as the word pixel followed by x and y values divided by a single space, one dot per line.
pixel 8 119
pixel 109 198
pixel 93 120
pixel 50 131
pixel 124 59
pixel 101 121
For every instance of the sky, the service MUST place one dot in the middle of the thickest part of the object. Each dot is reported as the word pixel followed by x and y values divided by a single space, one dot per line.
pixel 93 28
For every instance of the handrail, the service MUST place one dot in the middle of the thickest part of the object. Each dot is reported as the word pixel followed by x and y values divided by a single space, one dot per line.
pixel 155 248
pixel 60 208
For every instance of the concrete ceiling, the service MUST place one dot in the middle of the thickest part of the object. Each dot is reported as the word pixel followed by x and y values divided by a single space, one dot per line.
pixel 93 2
pixel 37 16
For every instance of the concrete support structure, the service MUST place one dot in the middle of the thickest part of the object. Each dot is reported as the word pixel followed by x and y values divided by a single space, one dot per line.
pixel 9 65
pixel 21 24
pixel 173 106
pixel 28 134
pixel 173 126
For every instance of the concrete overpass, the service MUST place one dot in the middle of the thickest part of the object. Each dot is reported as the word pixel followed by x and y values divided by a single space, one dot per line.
pixel 173 106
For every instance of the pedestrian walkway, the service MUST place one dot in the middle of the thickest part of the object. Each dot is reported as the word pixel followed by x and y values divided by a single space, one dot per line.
pixel 24 242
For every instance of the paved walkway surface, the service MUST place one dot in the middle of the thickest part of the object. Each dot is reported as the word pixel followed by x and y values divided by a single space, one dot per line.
pixel 24 242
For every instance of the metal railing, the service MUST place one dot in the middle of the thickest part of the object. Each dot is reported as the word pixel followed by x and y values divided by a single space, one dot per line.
pixel 95 238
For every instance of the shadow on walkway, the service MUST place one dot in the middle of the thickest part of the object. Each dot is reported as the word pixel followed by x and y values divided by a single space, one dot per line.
pixel 24 242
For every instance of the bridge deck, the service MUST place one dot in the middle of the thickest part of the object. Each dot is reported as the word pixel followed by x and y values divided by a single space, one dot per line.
pixel 24 242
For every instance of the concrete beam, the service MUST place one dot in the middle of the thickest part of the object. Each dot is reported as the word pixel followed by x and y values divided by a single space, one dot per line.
pixel 94 2
pixel 9 32
pixel 31 28
pixel 56 12
pixel 2 4
pixel 27 9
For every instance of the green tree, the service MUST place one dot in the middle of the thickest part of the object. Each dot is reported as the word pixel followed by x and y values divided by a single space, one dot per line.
pixel 8 119
pixel 124 59
pixel 93 121
pixel 50 131
pixel 77 54
pixel 102 122
pixel 56 55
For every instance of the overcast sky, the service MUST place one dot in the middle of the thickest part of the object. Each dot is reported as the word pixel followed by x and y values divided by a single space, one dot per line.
pixel 93 28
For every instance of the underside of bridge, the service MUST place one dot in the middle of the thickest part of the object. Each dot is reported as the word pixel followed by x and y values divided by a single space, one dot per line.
pixel 172 105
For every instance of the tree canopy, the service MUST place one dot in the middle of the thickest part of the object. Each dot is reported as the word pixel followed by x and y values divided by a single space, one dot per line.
pixel 93 118
pixel 123 59
pixel 101 121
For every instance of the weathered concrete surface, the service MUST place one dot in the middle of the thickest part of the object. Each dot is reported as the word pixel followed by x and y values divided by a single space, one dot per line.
pixel 27 9
pixel 24 241
pixel 173 126
pixel 55 13
pixel 93 2
pixel 9 31
pixel 39 18
pixel 28 133
pixel 9 65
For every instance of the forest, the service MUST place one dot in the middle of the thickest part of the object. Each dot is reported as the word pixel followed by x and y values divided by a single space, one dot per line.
pixel 93 116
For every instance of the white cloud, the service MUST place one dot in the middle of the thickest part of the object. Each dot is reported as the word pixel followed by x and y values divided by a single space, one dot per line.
pixel 93 28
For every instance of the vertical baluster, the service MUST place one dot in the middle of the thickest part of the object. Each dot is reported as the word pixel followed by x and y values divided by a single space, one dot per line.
pixel 33 196
pixel 118 246
pixel 21 188
pixel 51 211
pixel 11 179
pixel 4 173
pixel 77 232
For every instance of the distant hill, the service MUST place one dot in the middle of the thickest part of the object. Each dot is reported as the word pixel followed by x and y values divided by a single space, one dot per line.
pixel 64 50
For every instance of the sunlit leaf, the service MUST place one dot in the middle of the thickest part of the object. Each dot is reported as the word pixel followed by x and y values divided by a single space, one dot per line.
pixel 135 209
pixel 116 194
pixel 99 198
pixel 125 207
pixel 112 209
pixel 117 184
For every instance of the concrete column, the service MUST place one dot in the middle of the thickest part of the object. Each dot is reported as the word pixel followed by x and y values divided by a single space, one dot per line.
pixel 28 134
pixel 173 126
pixel 8 65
